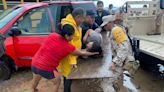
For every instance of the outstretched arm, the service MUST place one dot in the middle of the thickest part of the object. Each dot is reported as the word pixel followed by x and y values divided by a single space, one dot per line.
pixel 83 53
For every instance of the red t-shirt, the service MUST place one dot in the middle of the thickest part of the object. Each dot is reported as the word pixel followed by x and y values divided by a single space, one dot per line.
pixel 52 52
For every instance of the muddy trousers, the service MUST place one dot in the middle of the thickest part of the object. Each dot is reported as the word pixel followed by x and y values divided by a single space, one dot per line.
pixel 67 85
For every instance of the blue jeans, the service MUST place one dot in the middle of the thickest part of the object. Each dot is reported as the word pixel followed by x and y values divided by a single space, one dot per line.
pixel 67 85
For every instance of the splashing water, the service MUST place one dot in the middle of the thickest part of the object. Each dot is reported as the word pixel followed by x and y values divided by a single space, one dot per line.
pixel 128 83
pixel 161 68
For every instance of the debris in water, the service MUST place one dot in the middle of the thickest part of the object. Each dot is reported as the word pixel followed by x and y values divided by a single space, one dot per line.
pixel 128 83
pixel 161 68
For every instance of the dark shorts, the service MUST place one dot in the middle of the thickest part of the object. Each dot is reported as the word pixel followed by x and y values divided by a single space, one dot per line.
pixel 45 74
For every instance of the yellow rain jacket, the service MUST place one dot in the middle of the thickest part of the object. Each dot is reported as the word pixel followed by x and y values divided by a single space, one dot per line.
pixel 65 65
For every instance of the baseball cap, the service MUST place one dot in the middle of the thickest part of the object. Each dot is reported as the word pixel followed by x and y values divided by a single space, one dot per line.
pixel 91 13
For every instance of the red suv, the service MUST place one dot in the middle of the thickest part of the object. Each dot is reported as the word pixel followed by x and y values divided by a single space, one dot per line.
pixel 26 26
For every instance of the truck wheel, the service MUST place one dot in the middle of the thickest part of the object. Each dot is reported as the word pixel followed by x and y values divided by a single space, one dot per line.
pixel 5 71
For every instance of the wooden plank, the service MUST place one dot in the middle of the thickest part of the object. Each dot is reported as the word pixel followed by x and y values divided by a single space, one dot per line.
pixel 92 68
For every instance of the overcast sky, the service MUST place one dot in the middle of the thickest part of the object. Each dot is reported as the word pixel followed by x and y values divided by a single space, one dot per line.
pixel 118 3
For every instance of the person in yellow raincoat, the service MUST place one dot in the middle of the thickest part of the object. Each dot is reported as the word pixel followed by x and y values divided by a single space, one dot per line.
pixel 75 19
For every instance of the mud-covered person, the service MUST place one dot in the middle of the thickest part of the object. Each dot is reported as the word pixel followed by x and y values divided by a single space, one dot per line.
pixel 55 48
pixel 120 45
pixel 93 41
pixel 67 64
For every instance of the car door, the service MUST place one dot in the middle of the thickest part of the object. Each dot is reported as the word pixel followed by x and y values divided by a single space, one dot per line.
pixel 35 25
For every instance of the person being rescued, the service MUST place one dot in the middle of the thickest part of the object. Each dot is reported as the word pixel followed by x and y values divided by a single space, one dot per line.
pixel 55 48
pixel 93 41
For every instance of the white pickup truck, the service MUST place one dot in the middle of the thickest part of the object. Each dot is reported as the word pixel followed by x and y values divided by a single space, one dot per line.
pixel 140 17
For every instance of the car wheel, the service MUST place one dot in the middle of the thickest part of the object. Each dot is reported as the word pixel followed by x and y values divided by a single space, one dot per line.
pixel 5 71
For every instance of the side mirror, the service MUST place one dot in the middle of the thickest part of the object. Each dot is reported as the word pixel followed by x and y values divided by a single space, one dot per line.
pixel 162 4
pixel 125 8
pixel 15 31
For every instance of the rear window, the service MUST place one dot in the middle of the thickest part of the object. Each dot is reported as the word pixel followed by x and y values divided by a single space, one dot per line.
pixel 85 6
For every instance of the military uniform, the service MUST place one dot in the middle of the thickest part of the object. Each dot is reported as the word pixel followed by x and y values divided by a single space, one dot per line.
pixel 121 49
pixel 120 45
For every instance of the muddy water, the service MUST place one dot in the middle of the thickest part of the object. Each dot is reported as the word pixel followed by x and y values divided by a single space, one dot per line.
pixel 148 82
pixel 20 82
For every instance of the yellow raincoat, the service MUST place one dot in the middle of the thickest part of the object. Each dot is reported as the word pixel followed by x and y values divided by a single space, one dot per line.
pixel 65 65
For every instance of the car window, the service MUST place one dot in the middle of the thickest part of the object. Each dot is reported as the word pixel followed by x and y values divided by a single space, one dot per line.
pixel 36 21
pixel 8 15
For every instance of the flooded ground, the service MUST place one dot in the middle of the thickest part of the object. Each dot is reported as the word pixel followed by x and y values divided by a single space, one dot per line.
pixel 20 82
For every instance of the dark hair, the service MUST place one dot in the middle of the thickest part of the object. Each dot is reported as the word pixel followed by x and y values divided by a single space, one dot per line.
pixel 78 11
pixel 110 5
pixel 66 29
pixel 96 47
pixel 145 6
pixel 100 2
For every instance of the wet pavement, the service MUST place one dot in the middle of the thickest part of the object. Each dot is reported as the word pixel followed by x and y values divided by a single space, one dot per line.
pixel 20 81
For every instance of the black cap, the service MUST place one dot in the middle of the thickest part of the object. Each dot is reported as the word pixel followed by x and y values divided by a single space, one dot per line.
pixel 91 13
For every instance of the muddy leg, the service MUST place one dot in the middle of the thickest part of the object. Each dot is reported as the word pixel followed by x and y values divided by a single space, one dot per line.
pixel 56 81
pixel 35 81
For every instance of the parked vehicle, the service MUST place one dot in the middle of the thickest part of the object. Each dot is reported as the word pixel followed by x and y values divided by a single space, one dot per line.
pixel 140 18
pixel 25 28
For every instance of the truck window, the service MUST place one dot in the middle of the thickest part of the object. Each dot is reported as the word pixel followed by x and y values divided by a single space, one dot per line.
pixel 59 11
pixel 86 6
pixel 140 8
pixel 55 14
pixel 36 21
pixel 65 10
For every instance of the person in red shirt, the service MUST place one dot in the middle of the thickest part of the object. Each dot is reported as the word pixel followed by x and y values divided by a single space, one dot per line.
pixel 48 57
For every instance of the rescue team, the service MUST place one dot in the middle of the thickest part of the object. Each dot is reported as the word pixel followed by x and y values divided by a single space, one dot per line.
pixel 79 31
